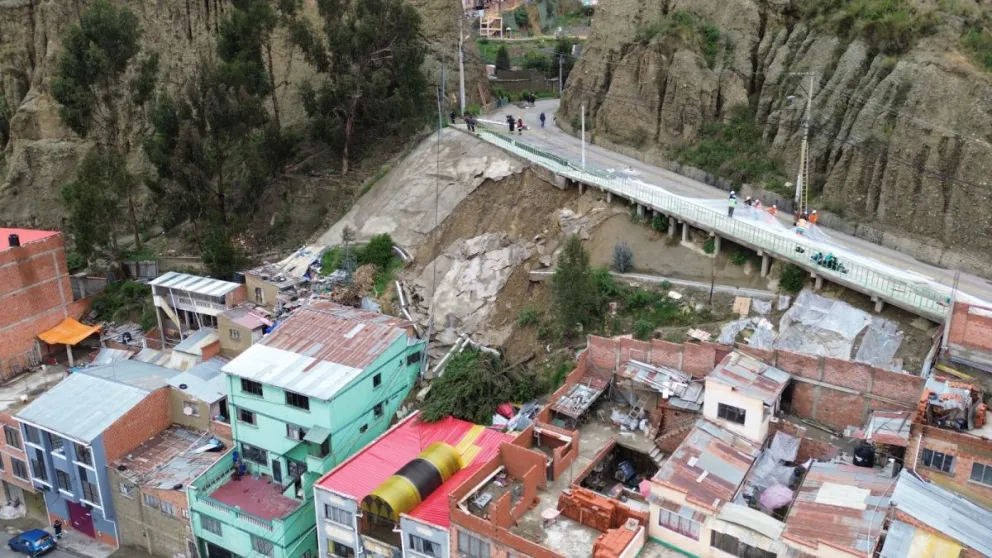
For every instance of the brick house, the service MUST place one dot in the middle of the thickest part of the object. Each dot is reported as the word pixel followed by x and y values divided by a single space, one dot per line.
pixel 35 294
pixel 73 431
pixel 950 442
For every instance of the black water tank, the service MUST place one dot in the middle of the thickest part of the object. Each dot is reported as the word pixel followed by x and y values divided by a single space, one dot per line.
pixel 13 240
pixel 864 455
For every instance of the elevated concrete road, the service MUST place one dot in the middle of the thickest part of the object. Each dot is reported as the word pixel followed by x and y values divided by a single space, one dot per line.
pixel 555 141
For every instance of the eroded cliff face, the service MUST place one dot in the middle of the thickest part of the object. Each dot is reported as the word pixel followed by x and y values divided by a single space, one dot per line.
pixel 41 154
pixel 901 143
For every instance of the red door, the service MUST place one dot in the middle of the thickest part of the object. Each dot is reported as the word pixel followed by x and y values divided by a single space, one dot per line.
pixel 81 519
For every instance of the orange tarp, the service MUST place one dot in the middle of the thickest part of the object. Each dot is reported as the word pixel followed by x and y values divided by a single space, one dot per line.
pixel 69 332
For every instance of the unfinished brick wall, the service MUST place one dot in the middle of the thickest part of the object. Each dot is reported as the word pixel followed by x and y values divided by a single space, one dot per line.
pixel 603 353
pixel 593 510
pixel 966 449
pixel 971 327
pixel 666 353
pixel 519 461
pixel 632 349
pixel 35 293
pixel 237 296
pixel 144 420
pixel 808 447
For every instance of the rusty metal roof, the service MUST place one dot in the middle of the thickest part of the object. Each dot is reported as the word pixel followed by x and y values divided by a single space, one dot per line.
pixel 169 459
pixel 840 505
pixel 319 349
pixel 885 427
pixel 709 465
pixel 751 377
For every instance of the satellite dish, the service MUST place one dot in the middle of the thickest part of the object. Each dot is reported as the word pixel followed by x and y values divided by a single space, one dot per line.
pixel 187 411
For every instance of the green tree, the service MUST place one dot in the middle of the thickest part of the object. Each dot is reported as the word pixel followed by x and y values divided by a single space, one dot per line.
pixel 472 385
pixel 502 58
pixel 521 18
pixel 94 203
pixel 103 85
pixel 576 295
pixel 370 53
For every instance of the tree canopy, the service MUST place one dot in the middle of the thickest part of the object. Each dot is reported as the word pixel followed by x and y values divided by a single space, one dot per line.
pixel 576 297
pixel 370 54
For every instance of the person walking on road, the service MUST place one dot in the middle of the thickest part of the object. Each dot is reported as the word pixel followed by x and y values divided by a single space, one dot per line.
pixel 511 122
pixel 731 204
pixel 452 117
pixel 520 126
pixel 542 119
pixel 58 529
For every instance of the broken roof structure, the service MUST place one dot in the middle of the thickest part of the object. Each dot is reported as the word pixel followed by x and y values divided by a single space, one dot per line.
pixel 193 284
pixel 751 377
pixel 82 406
pixel 709 465
pixel 319 349
pixel 276 275
pixel 248 316
pixel 170 460
pixel 676 387
pixel 885 427
pixel 841 506
pixel 944 511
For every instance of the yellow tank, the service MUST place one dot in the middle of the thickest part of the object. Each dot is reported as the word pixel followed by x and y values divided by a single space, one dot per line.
pixel 414 482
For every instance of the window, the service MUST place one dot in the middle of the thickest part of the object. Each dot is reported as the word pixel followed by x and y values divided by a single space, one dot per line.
pixel 58 444
pixel 259 297
pixel 91 493
pixel 191 408
pixel 334 548
pixel 261 546
pixel 13 436
pixel 681 525
pixel 424 546
pixel 251 387
pixel 32 434
pixel 235 334
pixel 294 432
pixel 83 454
pixel 731 413
pixel 731 545
pixel 471 546
pixel 1 465
pixel 377 410
pixel 185 513
pixel 151 501
pixel 63 481
pixel 376 381
pixel 19 468
pixel 127 489
pixel 246 417
pixel 38 467
pixel 257 455
pixel 981 473
pixel 338 515
pixel 363 429
pixel 298 401
pixel 210 525
pixel 939 461
pixel 413 358
pixel 168 509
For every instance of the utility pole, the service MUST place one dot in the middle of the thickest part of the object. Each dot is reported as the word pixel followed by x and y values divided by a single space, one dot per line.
pixel 583 136
pixel 561 84
pixel 442 99
pixel 461 66
pixel 802 179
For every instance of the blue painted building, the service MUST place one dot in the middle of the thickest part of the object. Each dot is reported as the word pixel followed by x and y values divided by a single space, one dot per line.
pixel 70 435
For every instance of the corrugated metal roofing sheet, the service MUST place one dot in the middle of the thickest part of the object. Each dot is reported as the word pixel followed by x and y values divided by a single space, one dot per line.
pixel 194 284
pixel 722 455
pixel 945 511
pixel 250 318
pixel 366 470
pixel 854 525
pixel 205 381
pixel 134 373
pixel 751 377
pixel 194 343
pixel 82 406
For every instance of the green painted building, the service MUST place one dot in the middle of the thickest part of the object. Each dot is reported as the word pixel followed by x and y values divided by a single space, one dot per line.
pixel 322 385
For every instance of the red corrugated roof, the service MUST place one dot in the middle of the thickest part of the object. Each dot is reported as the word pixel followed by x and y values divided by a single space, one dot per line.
pixel 26 235
pixel 367 469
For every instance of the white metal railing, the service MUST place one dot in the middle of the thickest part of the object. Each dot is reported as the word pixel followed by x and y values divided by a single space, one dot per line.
pixel 919 297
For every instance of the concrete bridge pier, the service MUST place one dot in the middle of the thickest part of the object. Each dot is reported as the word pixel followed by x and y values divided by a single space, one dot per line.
pixel 765 263
pixel 581 188
pixel 609 196
pixel 640 211
pixel 879 304
pixel 671 227
pixel 685 232
pixel 716 244
pixel 817 282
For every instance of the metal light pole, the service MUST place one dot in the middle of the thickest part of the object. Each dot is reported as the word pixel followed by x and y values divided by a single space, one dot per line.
pixel 561 84
pixel 583 136
pixel 461 67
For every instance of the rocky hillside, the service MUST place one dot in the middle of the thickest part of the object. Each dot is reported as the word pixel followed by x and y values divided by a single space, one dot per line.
pixel 902 109
pixel 39 154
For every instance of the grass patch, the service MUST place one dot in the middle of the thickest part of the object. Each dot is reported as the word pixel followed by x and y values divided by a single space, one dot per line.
pixel 122 302
pixel 528 316
pixel 793 278
pixel 688 29
pixel 330 260
pixel 385 274
pixel 739 257
pixel 977 41
pixel 734 150
pixel 886 26
pixel 710 245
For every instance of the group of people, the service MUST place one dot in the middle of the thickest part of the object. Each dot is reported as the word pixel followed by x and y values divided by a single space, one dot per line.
pixel 518 124
pixel 755 203
pixel 468 118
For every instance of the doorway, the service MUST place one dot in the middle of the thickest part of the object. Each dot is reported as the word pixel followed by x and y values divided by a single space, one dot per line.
pixel 81 519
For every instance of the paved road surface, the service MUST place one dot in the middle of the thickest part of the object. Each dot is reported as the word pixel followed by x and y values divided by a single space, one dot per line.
pixel 554 140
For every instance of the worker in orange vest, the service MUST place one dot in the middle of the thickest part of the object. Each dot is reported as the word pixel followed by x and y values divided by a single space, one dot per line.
pixel 813 218
pixel 773 209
